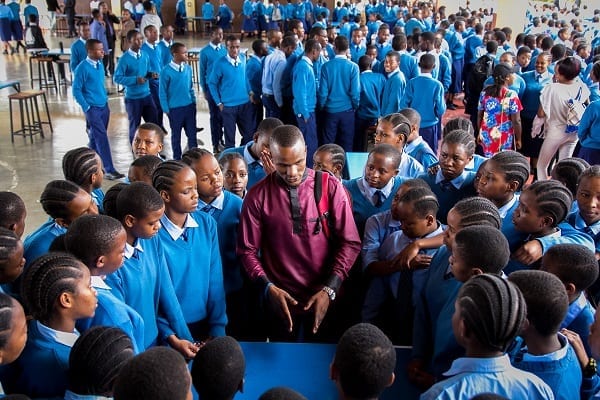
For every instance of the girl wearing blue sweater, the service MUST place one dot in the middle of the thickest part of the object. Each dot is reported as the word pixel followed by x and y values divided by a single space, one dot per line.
pixel 191 246
pixel 13 326
pixel 83 167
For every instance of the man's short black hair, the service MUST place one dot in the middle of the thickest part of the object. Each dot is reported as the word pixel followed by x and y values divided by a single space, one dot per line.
pixel 281 393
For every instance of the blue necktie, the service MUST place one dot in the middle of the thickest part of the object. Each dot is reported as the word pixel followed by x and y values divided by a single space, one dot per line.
pixel 378 198
pixel 447 185
pixel 185 234
pixel 210 210
pixel 136 254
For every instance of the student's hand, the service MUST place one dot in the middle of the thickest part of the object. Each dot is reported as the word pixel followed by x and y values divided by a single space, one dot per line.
pixel 184 347
pixel 529 253
pixel 406 256
pixel 155 75
pixel 421 261
pixel 319 302
pixel 577 345
pixel 267 161
pixel 280 301
pixel 221 106
pixel 141 80
pixel 518 144
pixel 418 376
pixel 433 169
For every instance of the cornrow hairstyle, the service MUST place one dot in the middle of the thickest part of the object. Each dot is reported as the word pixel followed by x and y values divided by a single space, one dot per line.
pixel 9 243
pixel 12 209
pixel 286 136
pixel 423 200
pixel 461 123
pixel 56 196
pixel 110 199
pixel 338 155
pixel 148 163
pixel 388 151
pixel 574 264
pixel 79 165
pixel 493 309
pixel 159 373
pixel 411 115
pixel 365 360
pixel 163 177
pixel 45 280
pixel 218 369
pixel 194 155
pixel 281 393
pixel 96 360
pixel 138 200
pixel 552 198
pixel 483 247
pixel 478 211
pixel 7 308
pixel 463 137
pixel 92 236
pixel 401 124
pixel 546 298
pixel 514 165
pixel 567 172
pixel 415 183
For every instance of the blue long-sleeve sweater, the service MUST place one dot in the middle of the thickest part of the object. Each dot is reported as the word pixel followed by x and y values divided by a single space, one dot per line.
pixel 208 56
pixel 432 106
pixel 409 66
pixel 88 85
pixel 165 53
pixel 154 57
pixel 129 68
pixel 78 53
pixel 38 242
pixel 254 69
pixel 196 272
pixel 393 92
pixel 227 83
pixel 175 87
pixel 589 127
pixel 371 91
pixel 304 88
pixel 339 86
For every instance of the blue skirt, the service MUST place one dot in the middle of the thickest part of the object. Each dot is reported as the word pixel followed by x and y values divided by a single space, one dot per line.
pixel 5 33
pixel 16 29
pixel 249 24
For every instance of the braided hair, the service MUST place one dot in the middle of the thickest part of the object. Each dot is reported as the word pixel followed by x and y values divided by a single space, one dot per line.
pixel 338 155
pixel 462 137
pixel 422 199
pixel 7 308
pixel 514 165
pixel 477 211
pixel 79 165
pixel 12 209
pixel 552 199
pixel 110 199
pixel 400 124
pixel 56 196
pixel 163 177
pixel 147 163
pixel 567 172
pixel 458 123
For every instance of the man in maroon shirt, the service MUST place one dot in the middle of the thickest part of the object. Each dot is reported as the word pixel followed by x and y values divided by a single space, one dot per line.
pixel 300 266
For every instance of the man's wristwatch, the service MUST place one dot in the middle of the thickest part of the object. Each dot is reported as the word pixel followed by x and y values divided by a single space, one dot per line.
pixel 330 292
pixel 590 369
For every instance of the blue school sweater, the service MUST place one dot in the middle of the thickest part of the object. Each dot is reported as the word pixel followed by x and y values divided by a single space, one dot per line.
pixel 413 23
pixel 114 313
pixel 88 85
pixel 471 45
pixel 255 169
pixel 444 72
pixel 304 88
pixel 371 90
pixel 129 68
pixel 530 98
pixel 143 283
pixel 447 198
pixel 208 55
pixel 254 69
pixel 339 86
pixel 41 369
pixel 455 43
pixel 208 11
pixel 563 375
pixel 579 318
pixel 433 341
pixel 175 87
pixel 98 197
pixel 196 272
pixel 393 91
pixel 589 127
pixel 227 83
pixel 165 53
pixel 78 53
pixel 357 51
pixel 409 66
pixel 420 151
pixel 432 106
pixel 363 208
pixel 38 242
pixel 228 219
pixel 154 57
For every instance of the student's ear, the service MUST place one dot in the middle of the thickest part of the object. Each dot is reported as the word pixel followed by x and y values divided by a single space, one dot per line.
pixel 62 222
pixel 160 148
pixel 392 379
pixel 476 271
pixel 525 326
pixel 396 172
pixel 430 220
pixel 99 262
pixel 333 372
pixel 12 227
pixel 241 386
pixel 571 289
pixel 513 186
pixel 1 356
pixel 547 220
pixel 165 196
pixel 129 221
pixel 337 168
pixel 94 179
pixel 255 137
pixel 65 300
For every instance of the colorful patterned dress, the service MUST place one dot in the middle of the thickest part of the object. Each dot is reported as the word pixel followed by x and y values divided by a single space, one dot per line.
pixel 496 130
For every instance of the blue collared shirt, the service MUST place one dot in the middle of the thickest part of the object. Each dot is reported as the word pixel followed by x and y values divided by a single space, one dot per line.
pixel 130 250
pixel 174 231
pixel 66 338
pixel 369 191
pixel 216 203
pixel 456 182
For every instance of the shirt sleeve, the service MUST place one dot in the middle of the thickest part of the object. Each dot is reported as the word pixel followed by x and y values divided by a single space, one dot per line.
pixel 250 237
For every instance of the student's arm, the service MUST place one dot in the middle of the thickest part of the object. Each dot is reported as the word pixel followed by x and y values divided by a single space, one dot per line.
pixel 323 90
pixel 300 81
pixel 440 104
pixel 216 293
pixel 586 123
pixel 355 86
pixel 163 90
pixel 121 76
pixel 203 72
pixel 213 83
pixel 371 242
pixel 406 100
pixel 407 258
pixel 78 84
pixel 278 67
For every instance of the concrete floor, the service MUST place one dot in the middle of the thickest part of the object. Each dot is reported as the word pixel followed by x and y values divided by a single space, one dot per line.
pixel 25 168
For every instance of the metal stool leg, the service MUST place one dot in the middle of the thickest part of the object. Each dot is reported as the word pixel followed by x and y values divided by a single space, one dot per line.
pixel 12 126
pixel 48 113
pixel 38 122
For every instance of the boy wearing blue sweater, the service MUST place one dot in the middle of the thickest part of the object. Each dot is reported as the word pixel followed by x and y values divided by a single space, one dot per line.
pixel 178 100
pixel 416 147
pixel 166 31
pixel 395 85
pixel 133 72
pixel 89 92
pixel 369 109
pixel 151 48
pixel 143 282
pixel 78 51
pixel 231 93
pixel 431 107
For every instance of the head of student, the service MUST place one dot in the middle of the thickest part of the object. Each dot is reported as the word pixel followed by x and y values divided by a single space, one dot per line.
pixel 414 118
pixel 167 31
pixel 364 362
pixel 83 167
pixel 331 158
pixel 456 152
pixel 96 360
pixel 235 173
pixel 148 140
pixel 503 175
pixel 179 53
pixel 575 265
pixel 12 212
pixel 110 199
pixel 151 33
pixel 139 208
pixel 489 313
pixel 209 176
pixel 262 136
pixel 588 195
pixel 159 373
pixel 391 62
pixel 216 35
pixel 233 46
pixel 13 329
pixel 11 256
pixel 546 299
pixel 142 168
pixel 218 369
pixel 542 206
pixel 64 201
pixel 95 49
pixel 567 172
pixel 288 151
pixel 470 212
pixel 393 129
pixel 135 40
pixel 176 183
pixel 416 210
pixel 84 30
pixel 382 165
pixel 281 393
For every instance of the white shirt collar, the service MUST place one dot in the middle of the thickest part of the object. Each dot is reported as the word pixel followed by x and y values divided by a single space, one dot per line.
pixel 233 61
pixel 151 45
pixel 177 67
pixel 216 203
pixel 504 209
pixel 174 231
pixel 65 338
pixel 308 60
pixel 413 145
pixel 168 44
pixel 134 54
pixel 249 157
pixel 93 63
pixel 426 74
pixel 129 249
pixel 99 283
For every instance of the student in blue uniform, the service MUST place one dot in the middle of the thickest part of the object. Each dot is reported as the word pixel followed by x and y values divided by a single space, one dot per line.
pixel 408 64
pixel 83 167
pixel 143 281
pixel 395 84
pixel 148 141
pixel 588 194
pixel 141 169
pixel 433 349
pixel 166 41
pixel 57 292
pixel 178 99
pixel 12 213
pixel 78 51
pixel 90 93
pixel 96 360
pixel 256 152
pixel 153 51
pixel 452 182
pixel 11 256
pixel 133 72
pixel 490 312
pixel 14 323
pixel 543 351
pixel 369 109
pixel 577 268
pixel 235 173
pixel 98 241
pixel 63 201
pixel 254 71
pixel 191 247
pixel 374 191
pixel 567 171
pixel 416 147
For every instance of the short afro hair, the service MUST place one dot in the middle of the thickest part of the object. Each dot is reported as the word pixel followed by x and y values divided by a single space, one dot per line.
pixel 138 199
pixel 388 151
pixel 574 264
pixel 159 373
pixel 92 236
pixel 483 247
pixel 281 393
pixel 546 297
pixel 218 369
pixel 286 136
pixel 365 360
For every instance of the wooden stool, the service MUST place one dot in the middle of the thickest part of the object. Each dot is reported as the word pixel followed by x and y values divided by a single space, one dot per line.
pixel 28 109
pixel 46 68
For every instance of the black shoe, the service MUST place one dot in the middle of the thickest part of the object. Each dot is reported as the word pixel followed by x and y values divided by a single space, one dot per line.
pixel 113 176
pixel 450 106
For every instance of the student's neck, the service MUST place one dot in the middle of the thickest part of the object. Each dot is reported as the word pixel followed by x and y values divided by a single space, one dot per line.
pixel 426 71
pixel 543 232
pixel 60 323
pixel 574 297
pixel 131 238
pixel 539 345
pixel 476 352
pixel 502 202
pixel 208 200
pixel 176 217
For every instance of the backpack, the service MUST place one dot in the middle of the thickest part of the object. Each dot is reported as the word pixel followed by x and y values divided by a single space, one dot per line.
pixel 482 69
pixel 322 223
